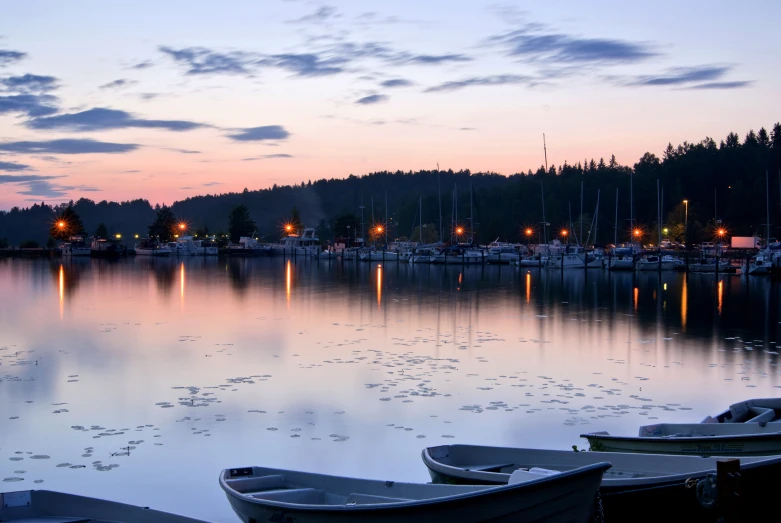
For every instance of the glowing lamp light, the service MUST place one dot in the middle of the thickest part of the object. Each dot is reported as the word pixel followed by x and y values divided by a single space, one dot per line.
pixel 182 226
pixel 135 236
pixel 288 227
pixel 528 232
pixel 722 232
pixel 686 201
pixel 637 232
pixel 380 229
pixel 60 224
pixel 564 232
pixel 118 236
pixel 176 235
pixel 666 230
pixel 459 230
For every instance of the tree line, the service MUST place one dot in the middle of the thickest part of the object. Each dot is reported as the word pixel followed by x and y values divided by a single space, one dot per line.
pixel 724 184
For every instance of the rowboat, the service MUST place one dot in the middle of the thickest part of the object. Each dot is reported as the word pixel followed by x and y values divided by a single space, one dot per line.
pixel 264 494
pixel 748 428
pixel 32 506
pixel 654 482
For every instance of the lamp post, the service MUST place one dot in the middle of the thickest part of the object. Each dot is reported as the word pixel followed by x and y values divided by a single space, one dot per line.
pixel 686 224
pixel 529 233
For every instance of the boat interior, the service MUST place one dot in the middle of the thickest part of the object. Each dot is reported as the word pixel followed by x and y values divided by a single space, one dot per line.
pixel 488 462
pixel 301 488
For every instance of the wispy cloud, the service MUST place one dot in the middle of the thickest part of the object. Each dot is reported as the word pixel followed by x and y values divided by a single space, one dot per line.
pixel 306 64
pixel 266 132
pixel 372 99
pixel 142 65
pixel 534 42
pixel 182 151
pixel 199 60
pixel 31 105
pixel 397 82
pixel 429 59
pixel 320 15
pixel 68 146
pixel 132 171
pixel 117 84
pixel 8 57
pixel 267 157
pixel 504 79
pixel 41 185
pixel 697 77
pixel 14 167
pixel 29 83
pixel 101 119
pixel 722 85
pixel 212 184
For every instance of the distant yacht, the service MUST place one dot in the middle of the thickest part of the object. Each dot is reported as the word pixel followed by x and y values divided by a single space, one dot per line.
pixel 76 246
pixel 103 248
pixel 306 244
pixel 151 247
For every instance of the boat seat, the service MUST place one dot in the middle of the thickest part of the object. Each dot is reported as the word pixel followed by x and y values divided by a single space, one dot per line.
pixel 257 484
pixel 488 467
pixel 762 415
pixel 368 499
pixel 306 496
pixel 522 476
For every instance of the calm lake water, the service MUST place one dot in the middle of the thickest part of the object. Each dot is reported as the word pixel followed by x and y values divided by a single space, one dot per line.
pixel 140 380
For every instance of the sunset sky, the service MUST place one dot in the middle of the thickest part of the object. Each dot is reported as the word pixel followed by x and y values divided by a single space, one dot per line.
pixel 165 100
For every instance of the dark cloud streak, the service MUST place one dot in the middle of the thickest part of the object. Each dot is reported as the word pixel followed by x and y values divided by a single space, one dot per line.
pixel 68 146
pixel 266 132
pixel 101 119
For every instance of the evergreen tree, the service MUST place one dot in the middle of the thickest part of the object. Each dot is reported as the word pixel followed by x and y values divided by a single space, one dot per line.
pixel 66 224
pixel 239 223
pixel 164 226
pixel 101 231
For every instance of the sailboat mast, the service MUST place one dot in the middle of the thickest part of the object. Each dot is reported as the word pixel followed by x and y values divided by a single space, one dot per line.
pixel 615 229
pixel 421 219
pixel 581 212
pixel 545 150
pixel 363 233
pixel 439 196
pixel 471 216
pixel 544 223
pixel 596 218
pixel 386 219
pixel 631 204
pixel 767 196
pixel 658 214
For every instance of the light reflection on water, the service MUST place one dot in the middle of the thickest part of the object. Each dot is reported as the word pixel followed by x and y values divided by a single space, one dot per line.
pixel 325 366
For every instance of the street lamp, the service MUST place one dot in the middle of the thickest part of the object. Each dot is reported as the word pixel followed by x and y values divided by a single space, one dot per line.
pixel 118 236
pixel 529 233
pixel 686 223
pixel 665 231
pixel 61 224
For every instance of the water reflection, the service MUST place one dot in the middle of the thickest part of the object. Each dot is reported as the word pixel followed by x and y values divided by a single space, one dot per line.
pixel 379 286
pixel 288 282
pixel 362 347
pixel 684 300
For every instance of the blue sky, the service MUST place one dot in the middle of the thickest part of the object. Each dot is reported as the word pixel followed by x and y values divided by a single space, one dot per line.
pixel 165 100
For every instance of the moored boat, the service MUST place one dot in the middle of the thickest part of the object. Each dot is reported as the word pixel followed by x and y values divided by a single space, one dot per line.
pixel 305 244
pixel 103 248
pixel 652 481
pixel 46 506
pixel 264 494
pixel 75 246
pixel 150 247
pixel 655 262
pixel 748 428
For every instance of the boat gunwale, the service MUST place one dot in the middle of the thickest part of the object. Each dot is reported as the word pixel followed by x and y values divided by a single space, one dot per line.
pixel 600 467
pixel 610 484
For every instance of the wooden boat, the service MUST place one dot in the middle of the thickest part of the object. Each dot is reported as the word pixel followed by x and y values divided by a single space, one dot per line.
pixel 748 428
pixel 654 482
pixel 263 494
pixel 46 506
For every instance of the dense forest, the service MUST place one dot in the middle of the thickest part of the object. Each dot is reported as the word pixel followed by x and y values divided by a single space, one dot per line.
pixel 724 183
